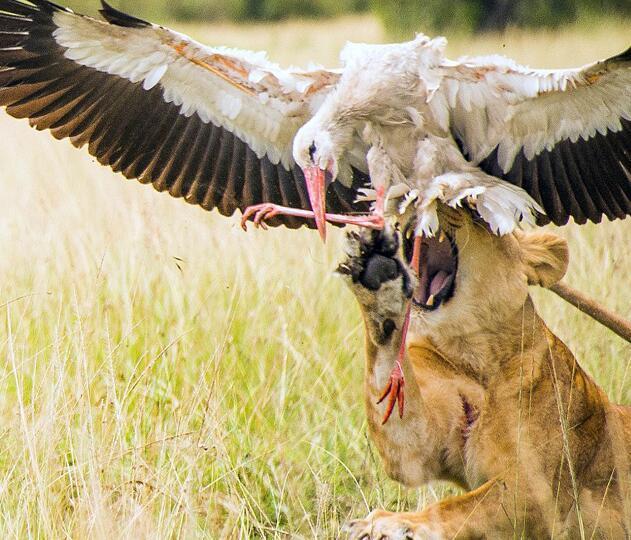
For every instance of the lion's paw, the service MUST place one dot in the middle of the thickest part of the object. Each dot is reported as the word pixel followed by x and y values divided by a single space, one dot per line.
pixel 382 525
pixel 379 279
pixel 378 525
pixel 372 259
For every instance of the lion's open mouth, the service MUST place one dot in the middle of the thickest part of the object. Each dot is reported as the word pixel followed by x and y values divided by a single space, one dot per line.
pixel 438 266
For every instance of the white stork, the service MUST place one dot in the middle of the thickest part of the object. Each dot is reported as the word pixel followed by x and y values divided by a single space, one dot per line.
pixel 228 129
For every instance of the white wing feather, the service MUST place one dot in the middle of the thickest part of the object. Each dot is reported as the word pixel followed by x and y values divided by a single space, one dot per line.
pixel 241 91
pixel 494 102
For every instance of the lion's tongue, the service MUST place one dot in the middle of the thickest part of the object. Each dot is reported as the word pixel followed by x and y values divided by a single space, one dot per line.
pixel 438 282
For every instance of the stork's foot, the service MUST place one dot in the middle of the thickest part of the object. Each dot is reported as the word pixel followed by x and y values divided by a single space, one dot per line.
pixel 260 213
pixel 394 392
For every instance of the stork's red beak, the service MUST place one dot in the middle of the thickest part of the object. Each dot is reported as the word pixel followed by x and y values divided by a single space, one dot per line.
pixel 317 196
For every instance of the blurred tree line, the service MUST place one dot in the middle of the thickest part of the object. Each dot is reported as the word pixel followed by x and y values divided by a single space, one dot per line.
pixel 233 10
pixel 401 17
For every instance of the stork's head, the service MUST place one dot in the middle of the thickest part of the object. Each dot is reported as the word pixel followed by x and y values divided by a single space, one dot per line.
pixel 318 146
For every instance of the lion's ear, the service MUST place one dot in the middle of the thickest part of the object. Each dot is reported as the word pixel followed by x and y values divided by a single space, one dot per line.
pixel 546 257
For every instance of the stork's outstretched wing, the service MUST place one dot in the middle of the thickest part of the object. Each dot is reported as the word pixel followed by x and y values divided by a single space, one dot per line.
pixel 562 135
pixel 212 125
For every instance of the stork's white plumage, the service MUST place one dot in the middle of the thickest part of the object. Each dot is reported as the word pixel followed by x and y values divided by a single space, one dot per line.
pixel 509 139
pixel 228 129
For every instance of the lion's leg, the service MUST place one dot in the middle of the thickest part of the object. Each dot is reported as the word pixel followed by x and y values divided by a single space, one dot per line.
pixel 489 511
pixel 383 288
pixel 434 412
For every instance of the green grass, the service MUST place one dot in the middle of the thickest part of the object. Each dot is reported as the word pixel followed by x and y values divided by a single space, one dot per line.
pixel 166 375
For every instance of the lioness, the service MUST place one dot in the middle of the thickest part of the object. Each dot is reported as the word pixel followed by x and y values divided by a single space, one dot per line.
pixel 494 401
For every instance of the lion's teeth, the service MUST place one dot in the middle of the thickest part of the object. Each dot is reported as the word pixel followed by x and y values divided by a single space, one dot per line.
pixel 441 237
pixel 430 301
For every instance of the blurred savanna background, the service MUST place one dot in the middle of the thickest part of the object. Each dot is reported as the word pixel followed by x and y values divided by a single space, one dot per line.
pixel 166 375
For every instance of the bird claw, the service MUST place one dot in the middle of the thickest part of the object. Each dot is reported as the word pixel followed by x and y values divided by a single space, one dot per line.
pixel 261 213
pixel 394 391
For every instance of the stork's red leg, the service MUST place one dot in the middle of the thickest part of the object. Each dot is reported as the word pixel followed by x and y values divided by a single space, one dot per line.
pixel 265 211
pixel 394 390
pixel 416 255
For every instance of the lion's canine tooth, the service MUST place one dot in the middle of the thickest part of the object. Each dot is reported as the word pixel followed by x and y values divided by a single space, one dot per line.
pixel 430 301
pixel 441 237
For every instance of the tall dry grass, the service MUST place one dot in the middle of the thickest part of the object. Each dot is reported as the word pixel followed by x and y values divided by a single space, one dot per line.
pixel 166 375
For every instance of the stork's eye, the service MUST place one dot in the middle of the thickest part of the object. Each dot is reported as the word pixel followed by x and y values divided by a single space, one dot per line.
pixel 312 150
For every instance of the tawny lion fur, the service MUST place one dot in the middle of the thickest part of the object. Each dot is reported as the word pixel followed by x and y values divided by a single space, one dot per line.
pixel 495 402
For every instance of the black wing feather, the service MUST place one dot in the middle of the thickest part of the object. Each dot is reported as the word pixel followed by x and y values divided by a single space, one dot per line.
pixel 585 179
pixel 586 206
pixel 114 16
